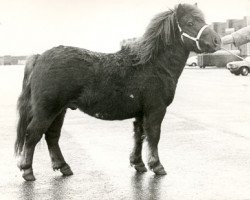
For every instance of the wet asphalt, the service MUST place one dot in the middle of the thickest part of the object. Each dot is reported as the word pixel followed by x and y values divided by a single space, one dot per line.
pixel 204 146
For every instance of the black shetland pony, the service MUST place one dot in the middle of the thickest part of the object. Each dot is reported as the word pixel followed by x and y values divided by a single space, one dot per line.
pixel 139 81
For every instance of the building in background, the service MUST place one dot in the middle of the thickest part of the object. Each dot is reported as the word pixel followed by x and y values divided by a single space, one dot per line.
pixel 231 25
pixel 1 61
pixel 12 60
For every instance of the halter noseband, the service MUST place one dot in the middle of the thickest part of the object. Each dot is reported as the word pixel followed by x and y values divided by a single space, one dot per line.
pixel 197 39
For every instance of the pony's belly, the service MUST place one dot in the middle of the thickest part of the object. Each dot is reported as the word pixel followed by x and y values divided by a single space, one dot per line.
pixel 112 108
pixel 113 116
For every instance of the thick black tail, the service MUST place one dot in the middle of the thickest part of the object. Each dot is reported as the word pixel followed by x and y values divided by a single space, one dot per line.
pixel 24 105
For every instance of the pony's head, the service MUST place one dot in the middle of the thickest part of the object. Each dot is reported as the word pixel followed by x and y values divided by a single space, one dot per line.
pixel 184 25
pixel 195 33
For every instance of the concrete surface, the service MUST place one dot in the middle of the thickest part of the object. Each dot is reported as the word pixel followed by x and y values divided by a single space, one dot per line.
pixel 204 146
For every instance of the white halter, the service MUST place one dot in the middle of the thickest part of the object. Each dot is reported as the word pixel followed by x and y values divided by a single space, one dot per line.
pixel 197 39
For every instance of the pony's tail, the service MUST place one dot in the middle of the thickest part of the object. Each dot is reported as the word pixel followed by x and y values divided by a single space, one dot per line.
pixel 24 105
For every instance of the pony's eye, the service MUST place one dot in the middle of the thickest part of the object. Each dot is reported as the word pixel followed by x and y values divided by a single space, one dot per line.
pixel 190 23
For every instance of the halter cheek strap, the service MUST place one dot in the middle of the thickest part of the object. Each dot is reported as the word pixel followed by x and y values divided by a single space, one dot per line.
pixel 197 39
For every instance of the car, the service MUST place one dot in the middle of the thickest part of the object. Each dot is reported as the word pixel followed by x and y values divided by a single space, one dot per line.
pixel 240 67
pixel 219 58
pixel 192 61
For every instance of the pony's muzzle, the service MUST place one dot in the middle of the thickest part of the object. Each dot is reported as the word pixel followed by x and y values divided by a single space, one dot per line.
pixel 213 43
pixel 217 42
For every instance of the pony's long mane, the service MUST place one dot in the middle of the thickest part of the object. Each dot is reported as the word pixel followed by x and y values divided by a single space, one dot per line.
pixel 160 33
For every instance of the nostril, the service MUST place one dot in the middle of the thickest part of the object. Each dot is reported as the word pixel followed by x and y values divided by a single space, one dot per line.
pixel 216 41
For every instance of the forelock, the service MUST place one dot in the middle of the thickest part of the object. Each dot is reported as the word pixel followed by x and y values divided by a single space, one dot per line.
pixel 194 11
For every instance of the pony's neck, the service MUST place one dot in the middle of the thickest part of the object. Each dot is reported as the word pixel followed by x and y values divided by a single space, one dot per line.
pixel 161 46
pixel 172 60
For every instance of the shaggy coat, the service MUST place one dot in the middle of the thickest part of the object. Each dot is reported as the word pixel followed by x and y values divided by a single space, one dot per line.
pixel 139 81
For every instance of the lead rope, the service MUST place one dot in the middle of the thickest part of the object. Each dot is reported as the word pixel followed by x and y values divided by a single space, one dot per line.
pixel 235 55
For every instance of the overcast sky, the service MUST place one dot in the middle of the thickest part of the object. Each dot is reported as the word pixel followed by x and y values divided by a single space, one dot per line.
pixel 32 26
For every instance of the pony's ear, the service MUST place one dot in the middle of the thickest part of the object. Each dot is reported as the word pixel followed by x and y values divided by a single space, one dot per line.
pixel 180 11
pixel 196 4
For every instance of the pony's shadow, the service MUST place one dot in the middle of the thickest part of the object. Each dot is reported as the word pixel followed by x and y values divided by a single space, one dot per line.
pixel 27 191
pixel 58 189
pixel 147 188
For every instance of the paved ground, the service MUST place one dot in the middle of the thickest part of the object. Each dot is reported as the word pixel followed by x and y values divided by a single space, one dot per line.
pixel 205 147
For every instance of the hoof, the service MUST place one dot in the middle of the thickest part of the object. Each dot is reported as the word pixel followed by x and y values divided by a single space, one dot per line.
pixel 23 166
pixel 140 168
pixel 66 171
pixel 159 170
pixel 28 175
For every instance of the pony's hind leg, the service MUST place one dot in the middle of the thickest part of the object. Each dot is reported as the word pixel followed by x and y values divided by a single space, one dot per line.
pixel 135 156
pixel 52 136
pixel 35 130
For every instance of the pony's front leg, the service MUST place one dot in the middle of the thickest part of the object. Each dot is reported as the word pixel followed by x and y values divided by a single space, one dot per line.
pixel 152 127
pixel 135 156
